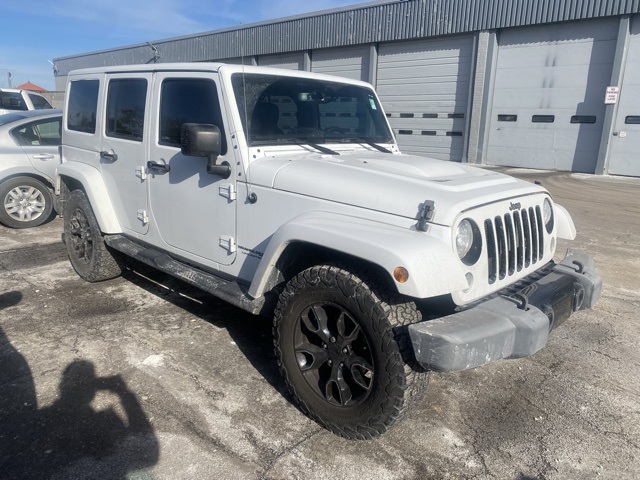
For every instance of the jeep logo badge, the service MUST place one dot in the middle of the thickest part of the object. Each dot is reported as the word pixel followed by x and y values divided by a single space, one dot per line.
pixel 514 206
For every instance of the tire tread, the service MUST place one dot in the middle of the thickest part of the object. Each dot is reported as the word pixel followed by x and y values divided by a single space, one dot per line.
pixel 390 315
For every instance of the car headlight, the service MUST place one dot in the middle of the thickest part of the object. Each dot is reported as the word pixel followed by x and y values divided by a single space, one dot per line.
pixel 468 242
pixel 464 238
pixel 547 215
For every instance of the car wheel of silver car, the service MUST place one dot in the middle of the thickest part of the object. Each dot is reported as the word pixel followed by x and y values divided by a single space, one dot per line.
pixel 344 351
pixel 89 255
pixel 26 202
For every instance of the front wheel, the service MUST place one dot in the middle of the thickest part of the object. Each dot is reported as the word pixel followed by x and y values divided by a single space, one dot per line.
pixel 344 352
pixel 89 255
pixel 26 202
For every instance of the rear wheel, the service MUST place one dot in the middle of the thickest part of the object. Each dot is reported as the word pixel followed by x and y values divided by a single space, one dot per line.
pixel 26 202
pixel 344 351
pixel 89 255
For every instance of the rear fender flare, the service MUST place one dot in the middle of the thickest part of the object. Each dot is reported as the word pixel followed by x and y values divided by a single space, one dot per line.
pixel 95 189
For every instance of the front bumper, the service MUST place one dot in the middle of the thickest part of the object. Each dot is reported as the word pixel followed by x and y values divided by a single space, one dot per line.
pixel 512 326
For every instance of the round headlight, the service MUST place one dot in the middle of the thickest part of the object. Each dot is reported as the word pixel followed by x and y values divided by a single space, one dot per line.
pixel 547 215
pixel 464 238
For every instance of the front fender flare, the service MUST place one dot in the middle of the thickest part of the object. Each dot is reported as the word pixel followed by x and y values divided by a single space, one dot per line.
pixel 433 268
pixel 95 189
pixel 566 228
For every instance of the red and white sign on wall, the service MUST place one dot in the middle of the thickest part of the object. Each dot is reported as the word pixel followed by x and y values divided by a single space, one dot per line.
pixel 612 95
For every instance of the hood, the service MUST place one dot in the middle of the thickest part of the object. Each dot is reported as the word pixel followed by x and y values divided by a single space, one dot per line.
pixel 393 184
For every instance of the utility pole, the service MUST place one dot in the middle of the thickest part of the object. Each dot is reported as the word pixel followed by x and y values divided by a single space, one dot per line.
pixel 8 75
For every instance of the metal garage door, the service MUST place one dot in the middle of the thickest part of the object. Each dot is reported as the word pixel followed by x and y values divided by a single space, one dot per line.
pixel 548 100
pixel 291 61
pixel 352 63
pixel 624 156
pixel 424 88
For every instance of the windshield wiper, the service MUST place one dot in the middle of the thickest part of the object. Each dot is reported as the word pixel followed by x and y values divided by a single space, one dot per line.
pixel 380 148
pixel 320 148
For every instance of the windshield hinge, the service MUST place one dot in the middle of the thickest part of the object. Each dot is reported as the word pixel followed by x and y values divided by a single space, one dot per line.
pixel 426 214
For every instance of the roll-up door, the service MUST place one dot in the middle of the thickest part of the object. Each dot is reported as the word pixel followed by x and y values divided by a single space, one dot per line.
pixel 290 61
pixel 548 99
pixel 624 156
pixel 351 63
pixel 424 88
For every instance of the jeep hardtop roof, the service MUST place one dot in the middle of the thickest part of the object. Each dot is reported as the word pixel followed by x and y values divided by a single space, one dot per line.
pixel 214 67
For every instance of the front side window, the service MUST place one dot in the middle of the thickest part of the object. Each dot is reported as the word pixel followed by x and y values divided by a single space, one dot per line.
pixel 125 108
pixel 289 110
pixel 40 133
pixel 12 101
pixel 188 100
pixel 83 105
pixel 39 103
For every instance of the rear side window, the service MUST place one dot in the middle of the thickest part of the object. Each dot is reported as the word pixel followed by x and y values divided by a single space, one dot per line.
pixel 12 101
pixel 125 108
pixel 83 106
pixel 40 133
pixel 188 100
pixel 39 103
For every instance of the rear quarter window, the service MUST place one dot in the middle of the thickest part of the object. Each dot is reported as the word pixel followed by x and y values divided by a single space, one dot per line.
pixel 39 103
pixel 83 105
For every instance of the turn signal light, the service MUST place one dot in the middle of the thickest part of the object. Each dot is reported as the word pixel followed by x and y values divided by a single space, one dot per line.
pixel 401 274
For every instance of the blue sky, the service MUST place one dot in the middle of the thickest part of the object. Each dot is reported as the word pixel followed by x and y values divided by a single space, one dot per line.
pixel 35 31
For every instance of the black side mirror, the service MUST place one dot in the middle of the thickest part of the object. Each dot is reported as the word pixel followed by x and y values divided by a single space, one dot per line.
pixel 204 140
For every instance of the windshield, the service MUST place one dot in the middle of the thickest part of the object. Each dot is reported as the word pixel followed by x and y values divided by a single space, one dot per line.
pixel 289 110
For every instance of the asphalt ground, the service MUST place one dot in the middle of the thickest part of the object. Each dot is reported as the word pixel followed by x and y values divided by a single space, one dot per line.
pixel 145 377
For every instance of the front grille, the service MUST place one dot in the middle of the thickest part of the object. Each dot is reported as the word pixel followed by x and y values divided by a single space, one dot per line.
pixel 514 241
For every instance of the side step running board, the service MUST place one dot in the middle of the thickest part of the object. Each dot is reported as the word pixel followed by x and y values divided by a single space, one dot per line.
pixel 227 290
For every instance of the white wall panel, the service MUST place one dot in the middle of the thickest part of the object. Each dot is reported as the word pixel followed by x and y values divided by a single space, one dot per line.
pixel 559 72
pixel 349 62
pixel 424 88
pixel 624 156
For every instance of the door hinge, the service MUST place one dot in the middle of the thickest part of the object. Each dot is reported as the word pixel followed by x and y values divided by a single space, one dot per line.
pixel 228 243
pixel 228 190
pixel 141 172
pixel 143 216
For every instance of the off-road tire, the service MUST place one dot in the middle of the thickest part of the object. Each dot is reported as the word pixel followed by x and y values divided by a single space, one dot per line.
pixel 396 382
pixel 24 196
pixel 89 255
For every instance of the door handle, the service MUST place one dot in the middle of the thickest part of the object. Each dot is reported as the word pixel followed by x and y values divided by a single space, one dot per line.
pixel 158 167
pixel 110 155
pixel 43 156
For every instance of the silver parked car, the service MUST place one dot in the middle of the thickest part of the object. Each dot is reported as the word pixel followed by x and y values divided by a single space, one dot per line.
pixel 29 155
pixel 12 99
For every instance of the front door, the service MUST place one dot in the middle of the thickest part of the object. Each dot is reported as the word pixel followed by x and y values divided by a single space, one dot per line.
pixel 194 211
pixel 123 151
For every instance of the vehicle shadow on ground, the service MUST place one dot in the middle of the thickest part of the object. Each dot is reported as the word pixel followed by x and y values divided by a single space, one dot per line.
pixel 252 334
pixel 69 438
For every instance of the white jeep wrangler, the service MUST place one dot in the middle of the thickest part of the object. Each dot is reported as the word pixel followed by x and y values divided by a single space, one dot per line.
pixel 284 193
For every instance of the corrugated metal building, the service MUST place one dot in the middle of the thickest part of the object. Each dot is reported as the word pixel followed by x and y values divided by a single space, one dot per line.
pixel 504 82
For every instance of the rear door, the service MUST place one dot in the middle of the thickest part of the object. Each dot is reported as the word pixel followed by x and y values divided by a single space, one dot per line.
pixel 39 141
pixel 123 152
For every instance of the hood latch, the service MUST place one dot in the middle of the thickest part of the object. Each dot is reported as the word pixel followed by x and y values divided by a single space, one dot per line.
pixel 425 215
